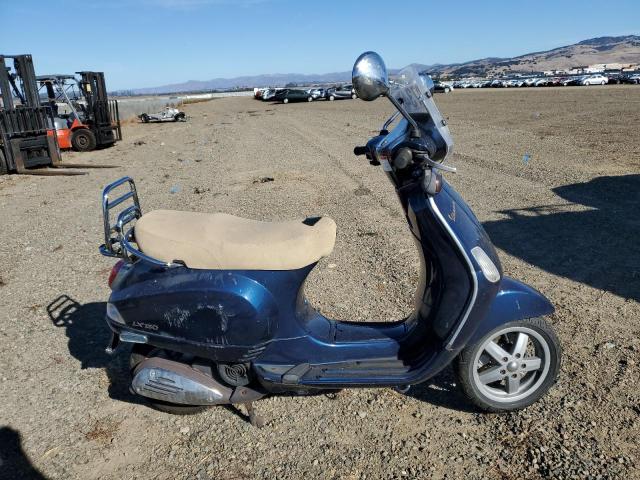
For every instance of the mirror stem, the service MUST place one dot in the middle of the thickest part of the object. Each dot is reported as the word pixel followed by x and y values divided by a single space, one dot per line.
pixel 415 131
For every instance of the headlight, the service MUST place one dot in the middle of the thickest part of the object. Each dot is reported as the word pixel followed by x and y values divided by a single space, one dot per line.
pixel 486 265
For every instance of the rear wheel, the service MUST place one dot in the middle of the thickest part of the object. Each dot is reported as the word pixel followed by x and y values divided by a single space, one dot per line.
pixel 331 98
pixel 602 83
pixel 140 353
pixel 512 367
pixel 83 140
pixel 354 96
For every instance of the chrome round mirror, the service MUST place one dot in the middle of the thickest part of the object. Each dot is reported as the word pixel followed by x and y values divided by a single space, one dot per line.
pixel 369 76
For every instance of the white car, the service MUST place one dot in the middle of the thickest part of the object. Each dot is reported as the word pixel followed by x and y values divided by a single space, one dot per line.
pixel 595 80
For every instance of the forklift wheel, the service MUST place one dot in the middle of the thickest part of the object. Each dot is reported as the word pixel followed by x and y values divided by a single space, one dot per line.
pixel 4 168
pixel 83 140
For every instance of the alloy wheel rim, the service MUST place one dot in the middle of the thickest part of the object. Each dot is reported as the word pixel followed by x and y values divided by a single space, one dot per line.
pixel 512 364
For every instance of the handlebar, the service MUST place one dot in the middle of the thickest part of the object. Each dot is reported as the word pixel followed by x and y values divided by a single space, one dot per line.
pixel 360 151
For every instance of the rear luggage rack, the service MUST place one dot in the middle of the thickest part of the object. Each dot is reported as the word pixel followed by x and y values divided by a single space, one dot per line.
pixel 118 238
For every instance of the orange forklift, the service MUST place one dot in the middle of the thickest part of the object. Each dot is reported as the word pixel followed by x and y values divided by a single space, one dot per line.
pixel 84 116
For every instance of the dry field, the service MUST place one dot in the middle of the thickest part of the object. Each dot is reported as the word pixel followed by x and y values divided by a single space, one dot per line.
pixel 566 222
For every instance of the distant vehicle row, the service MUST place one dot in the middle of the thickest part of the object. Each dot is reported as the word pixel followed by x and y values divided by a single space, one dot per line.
pixel 593 79
pixel 286 95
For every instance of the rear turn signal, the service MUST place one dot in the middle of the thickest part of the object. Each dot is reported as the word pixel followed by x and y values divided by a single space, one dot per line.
pixel 114 271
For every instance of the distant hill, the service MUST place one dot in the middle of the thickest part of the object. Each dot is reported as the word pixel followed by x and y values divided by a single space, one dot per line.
pixel 625 49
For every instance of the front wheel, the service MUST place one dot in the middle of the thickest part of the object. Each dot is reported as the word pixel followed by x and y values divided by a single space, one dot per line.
pixel 512 367
pixel 83 140
pixel 286 100
pixel 4 166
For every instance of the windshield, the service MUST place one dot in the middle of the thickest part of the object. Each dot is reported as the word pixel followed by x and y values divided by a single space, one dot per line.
pixel 414 90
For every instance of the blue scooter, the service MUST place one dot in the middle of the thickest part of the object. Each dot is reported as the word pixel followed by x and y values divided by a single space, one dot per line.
pixel 214 304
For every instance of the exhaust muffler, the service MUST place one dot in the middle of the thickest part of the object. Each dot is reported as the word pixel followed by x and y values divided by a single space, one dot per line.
pixel 175 382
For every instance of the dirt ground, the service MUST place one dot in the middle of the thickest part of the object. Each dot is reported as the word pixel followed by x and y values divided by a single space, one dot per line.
pixel 565 220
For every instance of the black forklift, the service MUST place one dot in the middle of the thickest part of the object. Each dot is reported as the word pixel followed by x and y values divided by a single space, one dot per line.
pixel 28 140
pixel 90 119
pixel 27 134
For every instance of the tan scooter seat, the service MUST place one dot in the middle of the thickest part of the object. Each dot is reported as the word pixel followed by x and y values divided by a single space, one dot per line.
pixel 218 241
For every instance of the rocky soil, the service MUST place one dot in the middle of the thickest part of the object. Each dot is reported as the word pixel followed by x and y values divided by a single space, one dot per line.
pixel 554 175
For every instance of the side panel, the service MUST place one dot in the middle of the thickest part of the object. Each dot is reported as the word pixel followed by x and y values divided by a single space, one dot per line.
pixel 515 301
pixel 208 312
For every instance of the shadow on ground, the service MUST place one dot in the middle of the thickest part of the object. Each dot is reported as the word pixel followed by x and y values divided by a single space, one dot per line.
pixel 14 463
pixel 88 336
pixel 599 246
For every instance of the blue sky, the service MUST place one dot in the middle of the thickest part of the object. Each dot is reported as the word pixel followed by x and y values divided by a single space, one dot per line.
pixel 155 42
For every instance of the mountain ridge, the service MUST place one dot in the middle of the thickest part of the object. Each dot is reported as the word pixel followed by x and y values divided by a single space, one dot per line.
pixel 606 49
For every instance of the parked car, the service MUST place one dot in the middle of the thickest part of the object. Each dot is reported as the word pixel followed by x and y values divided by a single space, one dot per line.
pixel 317 93
pixel 540 82
pixel 293 95
pixel 442 87
pixel 345 91
pixel 631 77
pixel 573 81
pixel 269 93
pixel 595 80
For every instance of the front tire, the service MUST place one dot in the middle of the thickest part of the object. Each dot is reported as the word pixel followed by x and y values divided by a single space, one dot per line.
pixel 511 367
pixel 331 98
pixel 4 166
pixel 83 140
pixel 286 100
pixel 141 352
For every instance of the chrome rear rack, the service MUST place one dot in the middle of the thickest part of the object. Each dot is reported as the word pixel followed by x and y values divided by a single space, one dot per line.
pixel 119 237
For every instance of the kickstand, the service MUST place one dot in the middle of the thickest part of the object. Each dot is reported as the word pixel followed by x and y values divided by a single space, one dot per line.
pixel 255 418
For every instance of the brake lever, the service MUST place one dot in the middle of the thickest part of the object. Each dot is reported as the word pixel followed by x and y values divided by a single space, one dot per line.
pixel 438 166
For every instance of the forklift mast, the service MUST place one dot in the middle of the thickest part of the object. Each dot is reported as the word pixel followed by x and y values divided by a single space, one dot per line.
pixel 103 115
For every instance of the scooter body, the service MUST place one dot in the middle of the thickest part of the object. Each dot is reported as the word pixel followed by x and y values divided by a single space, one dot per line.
pixel 264 318
pixel 257 330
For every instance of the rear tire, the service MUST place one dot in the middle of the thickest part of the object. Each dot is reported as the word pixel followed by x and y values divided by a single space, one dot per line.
pixel 179 117
pixel 353 96
pixel 141 352
pixel 530 363
pixel 286 100
pixel 331 98
pixel 310 99
pixel 83 140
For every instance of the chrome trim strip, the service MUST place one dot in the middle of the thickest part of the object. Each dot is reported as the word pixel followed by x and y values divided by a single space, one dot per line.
pixel 471 269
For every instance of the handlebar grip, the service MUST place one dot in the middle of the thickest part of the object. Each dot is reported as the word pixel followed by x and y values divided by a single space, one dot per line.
pixel 360 151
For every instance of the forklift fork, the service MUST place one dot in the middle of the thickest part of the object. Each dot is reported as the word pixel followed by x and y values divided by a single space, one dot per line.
pixel 57 167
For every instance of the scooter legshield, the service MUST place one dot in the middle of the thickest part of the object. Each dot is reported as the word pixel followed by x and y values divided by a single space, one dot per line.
pixel 515 301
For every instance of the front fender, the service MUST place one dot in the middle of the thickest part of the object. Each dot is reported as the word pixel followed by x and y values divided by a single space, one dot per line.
pixel 514 301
